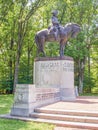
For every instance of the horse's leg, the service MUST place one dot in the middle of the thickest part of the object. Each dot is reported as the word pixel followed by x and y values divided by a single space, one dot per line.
pixel 40 41
pixel 42 46
pixel 38 52
pixel 43 53
pixel 62 47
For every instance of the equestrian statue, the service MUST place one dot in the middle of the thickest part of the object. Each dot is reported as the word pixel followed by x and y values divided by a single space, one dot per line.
pixel 56 33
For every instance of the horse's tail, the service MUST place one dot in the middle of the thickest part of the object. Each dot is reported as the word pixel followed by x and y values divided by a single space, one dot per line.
pixel 37 41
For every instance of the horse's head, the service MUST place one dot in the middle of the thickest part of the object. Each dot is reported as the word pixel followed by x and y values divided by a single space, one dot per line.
pixel 75 30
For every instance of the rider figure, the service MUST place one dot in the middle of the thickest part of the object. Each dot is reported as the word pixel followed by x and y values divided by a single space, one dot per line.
pixel 55 23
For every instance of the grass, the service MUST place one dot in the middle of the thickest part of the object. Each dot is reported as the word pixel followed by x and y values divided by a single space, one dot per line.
pixel 6 124
pixel 6 102
pixel 89 94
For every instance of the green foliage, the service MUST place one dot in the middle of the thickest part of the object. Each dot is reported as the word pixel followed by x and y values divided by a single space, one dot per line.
pixel 89 83
pixel 52 49
pixel 19 22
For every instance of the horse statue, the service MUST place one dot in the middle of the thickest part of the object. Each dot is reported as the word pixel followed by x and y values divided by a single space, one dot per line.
pixel 70 30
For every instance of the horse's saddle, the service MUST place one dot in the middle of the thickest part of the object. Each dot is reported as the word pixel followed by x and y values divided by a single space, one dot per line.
pixel 56 30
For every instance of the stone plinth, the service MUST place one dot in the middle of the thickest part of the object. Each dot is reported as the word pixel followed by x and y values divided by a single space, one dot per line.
pixel 56 73
pixel 27 98
pixel 24 100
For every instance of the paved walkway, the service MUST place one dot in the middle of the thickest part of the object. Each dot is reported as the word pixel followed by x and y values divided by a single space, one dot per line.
pixel 83 103
pixel 66 128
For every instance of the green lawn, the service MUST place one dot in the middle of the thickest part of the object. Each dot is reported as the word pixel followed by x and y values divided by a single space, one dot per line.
pixel 6 102
pixel 89 94
pixel 8 124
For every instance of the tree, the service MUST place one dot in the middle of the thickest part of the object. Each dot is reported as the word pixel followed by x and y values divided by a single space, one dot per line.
pixel 20 20
pixel 23 18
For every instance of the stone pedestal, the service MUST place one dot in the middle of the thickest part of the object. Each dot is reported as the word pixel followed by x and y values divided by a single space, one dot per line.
pixel 56 73
pixel 27 98
pixel 24 100
pixel 53 82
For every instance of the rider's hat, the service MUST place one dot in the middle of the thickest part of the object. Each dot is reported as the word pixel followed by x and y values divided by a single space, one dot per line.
pixel 55 12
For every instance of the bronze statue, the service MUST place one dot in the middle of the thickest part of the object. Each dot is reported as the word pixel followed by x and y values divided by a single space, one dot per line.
pixel 56 33
pixel 55 23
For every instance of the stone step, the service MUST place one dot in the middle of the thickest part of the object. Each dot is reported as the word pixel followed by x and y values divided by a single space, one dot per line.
pixel 68 124
pixel 67 112
pixel 89 126
pixel 59 117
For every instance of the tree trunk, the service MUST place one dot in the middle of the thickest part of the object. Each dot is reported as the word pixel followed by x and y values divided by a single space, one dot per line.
pixel 89 78
pixel 16 70
pixel 81 64
pixel 11 56
pixel 10 66
pixel 28 71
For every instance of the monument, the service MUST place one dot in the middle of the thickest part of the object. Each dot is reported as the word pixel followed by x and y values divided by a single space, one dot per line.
pixel 53 76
